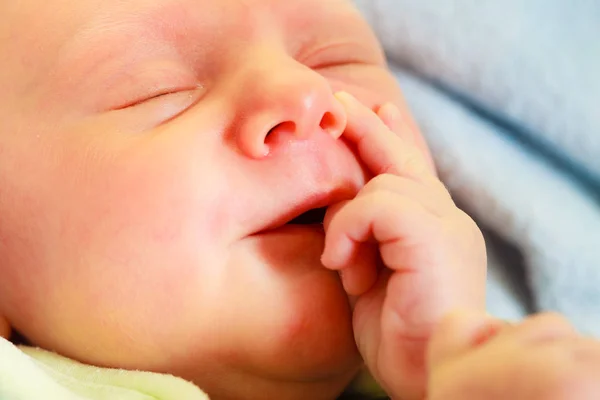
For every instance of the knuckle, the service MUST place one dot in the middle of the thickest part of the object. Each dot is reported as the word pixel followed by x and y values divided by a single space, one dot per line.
pixel 441 188
pixel 413 162
pixel 451 322
pixel 466 220
pixel 379 182
pixel 367 206
pixel 437 184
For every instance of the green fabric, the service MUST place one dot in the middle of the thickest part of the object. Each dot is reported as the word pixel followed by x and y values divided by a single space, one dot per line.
pixel 28 373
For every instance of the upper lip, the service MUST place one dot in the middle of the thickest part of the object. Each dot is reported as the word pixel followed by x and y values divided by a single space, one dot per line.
pixel 329 173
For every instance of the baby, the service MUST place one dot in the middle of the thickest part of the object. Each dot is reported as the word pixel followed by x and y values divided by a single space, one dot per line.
pixel 160 164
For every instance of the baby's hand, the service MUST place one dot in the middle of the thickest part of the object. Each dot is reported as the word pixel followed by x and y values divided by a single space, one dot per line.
pixel 429 256
pixel 543 358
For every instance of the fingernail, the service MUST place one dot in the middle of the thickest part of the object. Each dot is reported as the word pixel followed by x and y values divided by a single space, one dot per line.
pixel 328 258
pixel 337 127
pixel 324 259
pixel 344 96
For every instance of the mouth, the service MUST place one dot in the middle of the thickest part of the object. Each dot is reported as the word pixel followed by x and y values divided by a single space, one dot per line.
pixel 313 216
pixel 307 213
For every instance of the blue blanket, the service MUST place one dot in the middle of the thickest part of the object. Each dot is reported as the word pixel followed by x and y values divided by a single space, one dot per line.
pixel 508 95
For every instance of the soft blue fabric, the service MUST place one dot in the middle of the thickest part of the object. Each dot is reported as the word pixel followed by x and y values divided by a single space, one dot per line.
pixel 508 95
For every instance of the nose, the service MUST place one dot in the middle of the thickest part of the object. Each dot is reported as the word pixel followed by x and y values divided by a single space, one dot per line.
pixel 280 99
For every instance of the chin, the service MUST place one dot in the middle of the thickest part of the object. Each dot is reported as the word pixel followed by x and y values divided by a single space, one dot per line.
pixel 314 347
pixel 302 330
pixel 306 350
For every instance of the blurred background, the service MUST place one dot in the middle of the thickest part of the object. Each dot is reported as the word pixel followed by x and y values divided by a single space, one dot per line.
pixel 507 94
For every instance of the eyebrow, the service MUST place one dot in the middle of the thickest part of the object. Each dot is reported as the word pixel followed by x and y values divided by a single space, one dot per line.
pixel 170 28
pixel 168 24
pixel 353 30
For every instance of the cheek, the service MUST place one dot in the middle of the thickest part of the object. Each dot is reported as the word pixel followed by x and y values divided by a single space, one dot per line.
pixel 126 243
pixel 152 227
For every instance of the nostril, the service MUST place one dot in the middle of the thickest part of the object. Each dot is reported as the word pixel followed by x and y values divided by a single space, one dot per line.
pixel 328 122
pixel 333 123
pixel 283 127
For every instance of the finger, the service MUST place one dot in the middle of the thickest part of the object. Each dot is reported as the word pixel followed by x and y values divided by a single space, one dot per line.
pixel 587 350
pixel 363 274
pixel 586 354
pixel 405 127
pixel 402 347
pixel 435 198
pixel 569 365
pixel 544 327
pixel 391 117
pixel 367 321
pixel 332 211
pixel 459 332
pixel 380 149
pixel 385 217
pixel 415 303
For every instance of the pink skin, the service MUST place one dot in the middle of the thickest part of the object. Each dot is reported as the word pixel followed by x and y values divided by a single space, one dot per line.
pixel 141 214
pixel 137 200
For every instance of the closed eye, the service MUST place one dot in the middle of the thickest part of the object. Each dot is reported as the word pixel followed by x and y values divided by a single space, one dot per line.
pixel 155 95
pixel 150 112
pixel 343 54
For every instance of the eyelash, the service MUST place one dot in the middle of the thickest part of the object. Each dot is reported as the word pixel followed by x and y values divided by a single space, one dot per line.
pixel 153 96
pixel 338 64
pixel 337 59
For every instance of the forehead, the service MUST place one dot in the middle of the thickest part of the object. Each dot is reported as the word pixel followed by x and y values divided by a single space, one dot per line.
pixel 54 47
pixel 89 15
pixel 59 26
pixel 242 18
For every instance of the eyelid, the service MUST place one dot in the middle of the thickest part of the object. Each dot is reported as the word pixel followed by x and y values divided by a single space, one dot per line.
pixel 156 111
pixel 130 85
pixel 344 53
pixel 155 94
pixel 166 107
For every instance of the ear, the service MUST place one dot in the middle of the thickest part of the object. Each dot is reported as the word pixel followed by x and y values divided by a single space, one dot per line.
pixel 4 328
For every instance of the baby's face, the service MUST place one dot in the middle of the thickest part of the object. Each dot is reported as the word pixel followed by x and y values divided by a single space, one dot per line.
pixel 142 224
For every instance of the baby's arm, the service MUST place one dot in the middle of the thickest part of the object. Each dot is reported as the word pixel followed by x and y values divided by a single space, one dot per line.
pixel 475 357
